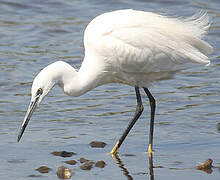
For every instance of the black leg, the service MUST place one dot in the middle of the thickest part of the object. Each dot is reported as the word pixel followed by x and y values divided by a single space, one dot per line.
pixel 153 107
pixel 139 110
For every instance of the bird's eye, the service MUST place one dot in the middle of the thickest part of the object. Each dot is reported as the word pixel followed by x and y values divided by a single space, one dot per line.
pixel 39 91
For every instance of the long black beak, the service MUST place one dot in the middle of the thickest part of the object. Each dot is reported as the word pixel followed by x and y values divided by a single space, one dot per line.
pixel 27 117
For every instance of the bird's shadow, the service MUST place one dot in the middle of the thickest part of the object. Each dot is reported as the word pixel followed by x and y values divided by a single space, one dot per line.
pixel 125 171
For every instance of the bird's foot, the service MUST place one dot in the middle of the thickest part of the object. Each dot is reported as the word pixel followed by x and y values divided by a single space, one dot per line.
pixel 150 151
pixel 115 148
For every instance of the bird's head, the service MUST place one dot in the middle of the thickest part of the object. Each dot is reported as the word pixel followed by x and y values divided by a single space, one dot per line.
pixel 59 73
pixel 42 84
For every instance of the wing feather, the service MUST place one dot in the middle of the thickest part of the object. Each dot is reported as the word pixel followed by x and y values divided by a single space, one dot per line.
pixel 137 41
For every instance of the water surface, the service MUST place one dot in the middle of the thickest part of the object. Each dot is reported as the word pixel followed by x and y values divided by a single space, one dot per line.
pixel 34 34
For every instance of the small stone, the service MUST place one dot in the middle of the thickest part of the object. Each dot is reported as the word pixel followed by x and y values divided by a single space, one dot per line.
pixel 64 172
pixel 71 162
pixel 207 166
pixel 100 164
pixel 43 169
pixel 63 153
pixel 87 165
pixel 97 144
pixel 82 160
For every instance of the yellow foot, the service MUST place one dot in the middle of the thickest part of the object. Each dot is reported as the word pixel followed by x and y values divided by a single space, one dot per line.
pixel 150 150
pixel 115 148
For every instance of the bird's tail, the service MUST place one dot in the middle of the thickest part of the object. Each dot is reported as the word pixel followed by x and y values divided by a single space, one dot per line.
pixel 193 31
pixel 199 24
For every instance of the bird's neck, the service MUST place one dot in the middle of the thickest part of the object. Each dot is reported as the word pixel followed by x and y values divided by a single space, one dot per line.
pixel 77 83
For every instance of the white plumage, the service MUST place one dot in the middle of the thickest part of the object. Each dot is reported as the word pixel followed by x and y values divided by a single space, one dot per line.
pixel 131 47
pixel 129 42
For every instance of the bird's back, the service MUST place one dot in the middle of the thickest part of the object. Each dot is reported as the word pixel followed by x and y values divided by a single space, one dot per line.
pixel 129 41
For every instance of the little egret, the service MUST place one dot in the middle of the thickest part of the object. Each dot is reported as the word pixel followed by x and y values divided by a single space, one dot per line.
pixel 131 47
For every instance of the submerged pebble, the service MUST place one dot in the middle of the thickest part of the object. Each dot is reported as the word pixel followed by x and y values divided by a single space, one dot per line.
pixel 43 169
pixel 87 165
pixel 34 175
pixel 141 173
pixel 218 126
pixel 158 167
pixel 16 161
pixel 100 164
pixel 63 153
pixel 128 155
pixel 82 160
pixel 97 144
pixel 64 172
pixel 71 162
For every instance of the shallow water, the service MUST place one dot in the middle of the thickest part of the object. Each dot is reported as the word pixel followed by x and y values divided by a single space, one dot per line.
pixel 34 34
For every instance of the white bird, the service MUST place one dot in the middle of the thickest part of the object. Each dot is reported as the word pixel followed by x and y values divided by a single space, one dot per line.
pixel 131 47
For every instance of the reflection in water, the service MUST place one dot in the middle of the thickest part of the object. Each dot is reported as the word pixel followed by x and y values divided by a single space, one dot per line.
pixel 151 167
pixel 218 127
pixel 208 171
pixel 126 172
pixel 122 166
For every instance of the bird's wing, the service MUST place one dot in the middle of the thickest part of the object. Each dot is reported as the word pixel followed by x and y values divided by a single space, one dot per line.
pixel 137 41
